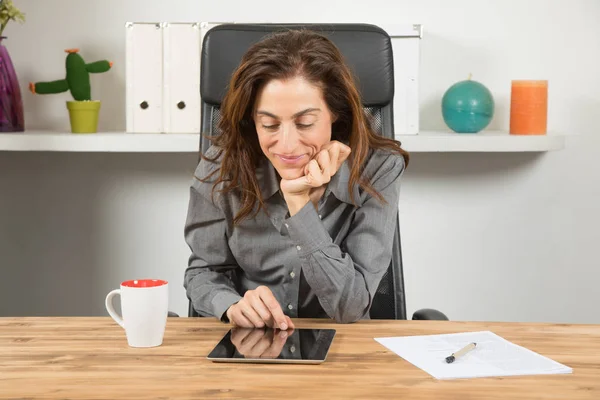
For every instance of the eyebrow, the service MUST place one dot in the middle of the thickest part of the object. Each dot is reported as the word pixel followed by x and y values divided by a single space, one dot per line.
pixel 299 113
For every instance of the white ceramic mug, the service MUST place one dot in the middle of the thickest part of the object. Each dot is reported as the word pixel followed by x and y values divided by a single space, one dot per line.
pixel 144 306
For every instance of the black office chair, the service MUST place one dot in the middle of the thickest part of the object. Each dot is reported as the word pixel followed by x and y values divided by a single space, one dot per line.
pixel 368 51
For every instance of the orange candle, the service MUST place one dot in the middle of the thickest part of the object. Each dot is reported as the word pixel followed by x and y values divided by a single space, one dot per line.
pixel 528 107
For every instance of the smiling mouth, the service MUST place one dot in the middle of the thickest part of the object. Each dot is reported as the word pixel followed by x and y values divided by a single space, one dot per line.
pixel 290 159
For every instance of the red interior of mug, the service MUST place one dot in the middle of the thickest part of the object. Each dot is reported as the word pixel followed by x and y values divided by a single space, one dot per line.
pixel 144 283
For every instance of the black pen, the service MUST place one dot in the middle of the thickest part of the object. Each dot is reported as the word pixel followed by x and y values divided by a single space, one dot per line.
pixel 461 352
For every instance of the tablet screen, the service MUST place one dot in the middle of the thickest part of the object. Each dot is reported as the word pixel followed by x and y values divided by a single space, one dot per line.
pixel 267 345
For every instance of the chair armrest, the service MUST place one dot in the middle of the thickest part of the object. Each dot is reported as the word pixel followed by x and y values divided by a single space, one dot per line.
pixel 173 314
pixel 429 314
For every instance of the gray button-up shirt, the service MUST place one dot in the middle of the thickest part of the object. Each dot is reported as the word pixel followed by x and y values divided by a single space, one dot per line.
pixel 321 262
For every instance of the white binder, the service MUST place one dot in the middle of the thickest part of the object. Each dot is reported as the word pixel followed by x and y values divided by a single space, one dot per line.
pixel 144 77
pixel 181 83
pixel 406 40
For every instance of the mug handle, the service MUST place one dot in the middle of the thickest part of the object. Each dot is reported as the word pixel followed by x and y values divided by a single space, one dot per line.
pixel 111 309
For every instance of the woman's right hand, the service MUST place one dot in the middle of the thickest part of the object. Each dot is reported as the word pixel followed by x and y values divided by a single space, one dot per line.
pixel 257 309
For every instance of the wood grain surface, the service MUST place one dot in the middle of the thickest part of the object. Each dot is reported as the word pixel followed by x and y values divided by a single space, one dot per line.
pixel 88 358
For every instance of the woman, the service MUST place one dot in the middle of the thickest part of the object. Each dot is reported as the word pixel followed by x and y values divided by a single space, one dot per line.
pixel 292 212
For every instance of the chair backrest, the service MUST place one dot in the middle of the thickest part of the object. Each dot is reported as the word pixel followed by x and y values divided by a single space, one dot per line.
pixel 368 51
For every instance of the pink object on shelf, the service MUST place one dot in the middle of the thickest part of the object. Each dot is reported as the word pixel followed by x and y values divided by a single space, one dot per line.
pixel 11 103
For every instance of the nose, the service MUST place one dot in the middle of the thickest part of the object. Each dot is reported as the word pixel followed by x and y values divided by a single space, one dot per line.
pixel 289 139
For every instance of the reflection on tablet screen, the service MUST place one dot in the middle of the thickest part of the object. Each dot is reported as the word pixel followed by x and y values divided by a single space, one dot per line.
pixel 274 344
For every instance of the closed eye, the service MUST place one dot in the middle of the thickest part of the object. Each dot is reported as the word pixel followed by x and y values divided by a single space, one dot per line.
pixel 276 126
pixel 271 127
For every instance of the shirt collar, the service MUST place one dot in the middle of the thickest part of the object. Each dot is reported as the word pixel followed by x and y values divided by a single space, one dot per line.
pixel 339 185
pixel 268 182
pixel 268 179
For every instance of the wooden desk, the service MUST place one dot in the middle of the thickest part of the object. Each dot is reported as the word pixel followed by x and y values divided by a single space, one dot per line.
pixel 83 358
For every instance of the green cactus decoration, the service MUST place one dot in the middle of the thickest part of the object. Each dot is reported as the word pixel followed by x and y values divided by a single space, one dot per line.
pixel 77 79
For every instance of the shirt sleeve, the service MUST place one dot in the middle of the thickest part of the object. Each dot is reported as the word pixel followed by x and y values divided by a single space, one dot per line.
pixel 345 282
pixel 211 266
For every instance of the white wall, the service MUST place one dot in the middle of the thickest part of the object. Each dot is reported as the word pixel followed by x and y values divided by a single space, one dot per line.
pixel 485 236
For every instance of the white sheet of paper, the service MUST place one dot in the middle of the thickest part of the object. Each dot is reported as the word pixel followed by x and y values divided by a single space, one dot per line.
pixel 493 356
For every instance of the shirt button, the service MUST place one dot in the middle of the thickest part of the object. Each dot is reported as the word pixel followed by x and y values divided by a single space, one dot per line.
pixel 298 248
pixel 292 274
pixel 290 307
pixel 286 225
pixel 320 216
pixel 292 349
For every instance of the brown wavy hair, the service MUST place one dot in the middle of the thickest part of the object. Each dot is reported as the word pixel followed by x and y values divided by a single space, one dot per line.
pixel 284 55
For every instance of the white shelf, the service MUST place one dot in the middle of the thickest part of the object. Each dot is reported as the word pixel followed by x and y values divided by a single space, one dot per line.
pixel 100 142
pixel 427 141
pixel 486 141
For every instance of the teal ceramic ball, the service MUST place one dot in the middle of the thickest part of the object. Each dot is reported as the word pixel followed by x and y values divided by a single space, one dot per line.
pixel 467 107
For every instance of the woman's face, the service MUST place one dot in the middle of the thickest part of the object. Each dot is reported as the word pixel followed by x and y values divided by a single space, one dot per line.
pixel 293 123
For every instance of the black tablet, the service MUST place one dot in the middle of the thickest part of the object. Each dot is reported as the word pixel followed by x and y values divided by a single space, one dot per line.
pixel 267 345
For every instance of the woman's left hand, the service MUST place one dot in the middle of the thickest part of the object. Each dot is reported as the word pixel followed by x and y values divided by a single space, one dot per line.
pixel 317 172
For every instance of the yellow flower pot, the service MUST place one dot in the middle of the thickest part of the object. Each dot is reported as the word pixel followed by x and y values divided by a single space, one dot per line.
pixel 84 116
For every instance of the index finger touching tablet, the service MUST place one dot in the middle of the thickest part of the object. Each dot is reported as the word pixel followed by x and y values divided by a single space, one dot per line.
pixel 273 305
